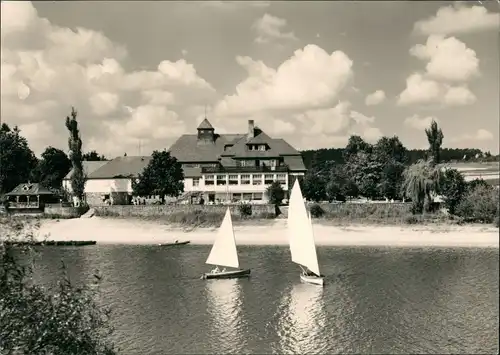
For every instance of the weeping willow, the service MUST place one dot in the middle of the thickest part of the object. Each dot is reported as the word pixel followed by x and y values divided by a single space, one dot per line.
pixel 420 182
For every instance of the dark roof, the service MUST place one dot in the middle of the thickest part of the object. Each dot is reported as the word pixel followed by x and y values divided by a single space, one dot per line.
pixel 192 172
pixel 121 167
pixel 295 163
pixel 188 149
pixel 205 124
pixel 278 147
pixel 88 168
pixel 30 189
pixel 261 138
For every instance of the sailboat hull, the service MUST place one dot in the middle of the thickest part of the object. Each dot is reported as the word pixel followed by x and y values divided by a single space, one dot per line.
pixel 315 280
pixel 174 244
pixel 227 274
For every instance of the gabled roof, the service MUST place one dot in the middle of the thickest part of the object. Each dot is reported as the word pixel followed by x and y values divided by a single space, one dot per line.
pixel 295 163
pixel 188 149
pixel 261 138
pixel 278 147
pixel 30 189
pixel 121 167
pixel 88 167
pixel 205 124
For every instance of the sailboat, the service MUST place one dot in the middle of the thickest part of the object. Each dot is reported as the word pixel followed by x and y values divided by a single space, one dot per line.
pixel 224 253
pixel 301 238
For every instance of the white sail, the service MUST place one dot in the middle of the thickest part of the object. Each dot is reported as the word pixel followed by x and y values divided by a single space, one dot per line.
pixel 224 251
pixel 300 232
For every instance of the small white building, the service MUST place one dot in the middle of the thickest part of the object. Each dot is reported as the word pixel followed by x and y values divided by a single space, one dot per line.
pixel 110 182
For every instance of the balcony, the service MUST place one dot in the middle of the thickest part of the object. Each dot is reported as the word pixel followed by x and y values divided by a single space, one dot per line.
pixel 244 169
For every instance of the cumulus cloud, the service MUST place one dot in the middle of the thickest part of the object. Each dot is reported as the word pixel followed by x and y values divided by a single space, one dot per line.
pixel 375 98
pixel 419 123
pixel 420 90
pixel 46 69
pixel 457 19
pixel 448 58
pixel 311 78
pixel 478 136
pixel 332 120
pixel 270 28
pixel 148 121
pixel 300 95
pixel 334 126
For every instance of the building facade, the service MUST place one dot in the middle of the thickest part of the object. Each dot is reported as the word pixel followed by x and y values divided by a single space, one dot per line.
pixel 110 182
pixel 235 167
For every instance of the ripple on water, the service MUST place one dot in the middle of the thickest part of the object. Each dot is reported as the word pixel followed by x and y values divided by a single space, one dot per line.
pixel 374 300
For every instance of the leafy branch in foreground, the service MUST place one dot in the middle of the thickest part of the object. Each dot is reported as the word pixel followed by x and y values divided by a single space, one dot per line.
pixel 64 320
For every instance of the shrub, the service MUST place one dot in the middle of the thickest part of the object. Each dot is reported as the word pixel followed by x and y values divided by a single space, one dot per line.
pixel 413 219
pixel 317 211
pixel 34 320
pixel 275 193
pixel 245 209
pixel 82 209
pixel 480 204
pixel 453 188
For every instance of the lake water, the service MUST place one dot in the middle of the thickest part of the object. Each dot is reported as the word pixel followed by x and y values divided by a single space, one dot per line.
pixel 376 300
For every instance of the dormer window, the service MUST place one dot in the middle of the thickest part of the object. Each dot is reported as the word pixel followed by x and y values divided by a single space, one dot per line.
pixel 257 147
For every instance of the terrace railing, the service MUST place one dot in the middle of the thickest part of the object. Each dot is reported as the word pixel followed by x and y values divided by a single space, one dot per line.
pixel 24 205
pixel 243 169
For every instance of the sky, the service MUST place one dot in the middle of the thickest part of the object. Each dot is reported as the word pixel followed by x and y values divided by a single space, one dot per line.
pixel 140 74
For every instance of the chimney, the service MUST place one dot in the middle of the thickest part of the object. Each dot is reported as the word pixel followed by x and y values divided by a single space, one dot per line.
pixel 251 129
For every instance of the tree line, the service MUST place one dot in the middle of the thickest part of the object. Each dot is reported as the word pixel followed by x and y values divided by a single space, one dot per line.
pixel 375 171
pixel 18 164
pixel 448 155
pixel 385 170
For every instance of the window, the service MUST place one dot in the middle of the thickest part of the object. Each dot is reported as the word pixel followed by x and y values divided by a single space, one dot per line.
pixel 247 196
pixel 257 196
pixel 233 179
pixel 268 179
pixel 209 179
pixel 257 179
pixel 236 197
pixel 196 181
pixel 281 179
pixel 262 147
pixel 273 162
pixel 245 179
pixel 221 180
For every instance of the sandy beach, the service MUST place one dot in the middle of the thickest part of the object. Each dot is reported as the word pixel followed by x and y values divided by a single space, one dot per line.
pixel 122 231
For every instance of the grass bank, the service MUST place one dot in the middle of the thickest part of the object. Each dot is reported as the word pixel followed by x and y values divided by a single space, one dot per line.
pixel 329 214
pixel 191 218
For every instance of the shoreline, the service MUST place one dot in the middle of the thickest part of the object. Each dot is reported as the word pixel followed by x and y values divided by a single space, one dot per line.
pixel 106 230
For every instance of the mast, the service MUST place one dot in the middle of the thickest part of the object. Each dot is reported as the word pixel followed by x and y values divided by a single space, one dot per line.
pixel 300 232
pixel 223 252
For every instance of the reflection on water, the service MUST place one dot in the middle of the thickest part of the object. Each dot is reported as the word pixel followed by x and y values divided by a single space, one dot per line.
pixel 302 320
pixel 376 300
pixel 224 302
